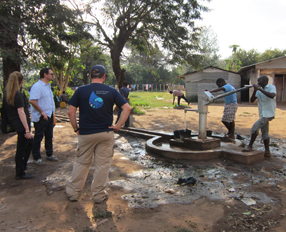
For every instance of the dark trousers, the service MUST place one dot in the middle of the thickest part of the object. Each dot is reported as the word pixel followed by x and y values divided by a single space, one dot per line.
pixel 43 127
pixel 127 120
pixel 24 148
pixel 179 99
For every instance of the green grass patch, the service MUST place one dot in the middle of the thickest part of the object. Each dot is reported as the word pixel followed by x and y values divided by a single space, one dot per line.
pixel 184 230
pixel 137 111
pixel 147 100
pixel 139 103
pixel 103 214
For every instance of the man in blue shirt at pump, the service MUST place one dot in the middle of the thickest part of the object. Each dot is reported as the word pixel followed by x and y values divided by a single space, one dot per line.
pixel 230 107
pixel 95 133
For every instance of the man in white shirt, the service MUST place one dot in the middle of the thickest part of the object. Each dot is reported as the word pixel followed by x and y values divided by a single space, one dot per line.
pixel 266 98
pixel 42 110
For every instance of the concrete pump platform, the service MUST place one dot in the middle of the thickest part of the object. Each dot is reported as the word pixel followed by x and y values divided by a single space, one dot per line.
pixel 164 145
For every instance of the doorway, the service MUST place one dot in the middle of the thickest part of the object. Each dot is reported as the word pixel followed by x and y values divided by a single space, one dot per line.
pixel 279 82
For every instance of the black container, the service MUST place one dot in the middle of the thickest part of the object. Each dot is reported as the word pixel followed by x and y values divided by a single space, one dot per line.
pixel 176 134
pixel 185 134
pixel 181 134
pixel 209 133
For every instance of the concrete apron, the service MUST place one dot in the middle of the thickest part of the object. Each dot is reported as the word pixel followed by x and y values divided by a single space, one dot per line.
pixel 164 145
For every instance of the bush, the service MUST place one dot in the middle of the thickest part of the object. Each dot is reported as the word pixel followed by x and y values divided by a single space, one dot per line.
pixel 193 98
pixel 69 92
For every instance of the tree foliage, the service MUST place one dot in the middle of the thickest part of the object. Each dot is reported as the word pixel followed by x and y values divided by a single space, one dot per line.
pixel 208 51
pixel 141 22
pixel 60 45
pixel 45 30
pixel 241 58
pixel 271 54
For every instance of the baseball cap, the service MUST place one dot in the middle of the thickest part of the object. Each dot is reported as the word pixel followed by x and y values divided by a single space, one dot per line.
pixel 97 70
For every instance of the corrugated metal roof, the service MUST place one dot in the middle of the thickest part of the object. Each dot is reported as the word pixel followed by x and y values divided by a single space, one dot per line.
pixel 246 68
pixel 183 75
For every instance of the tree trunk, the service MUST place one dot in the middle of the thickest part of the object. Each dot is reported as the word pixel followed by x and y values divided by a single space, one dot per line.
pixel 66 80
pixel 119 73
pixel 60 78
pixel 9 66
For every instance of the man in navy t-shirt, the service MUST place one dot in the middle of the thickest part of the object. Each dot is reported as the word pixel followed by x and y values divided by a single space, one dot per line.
pixel 96 137
pixel 230 107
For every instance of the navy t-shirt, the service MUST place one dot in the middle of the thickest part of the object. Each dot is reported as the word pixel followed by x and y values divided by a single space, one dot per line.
pixel 124 92
pixel 95 102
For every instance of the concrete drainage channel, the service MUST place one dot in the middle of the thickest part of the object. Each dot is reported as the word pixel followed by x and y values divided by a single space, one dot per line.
pixel 218 180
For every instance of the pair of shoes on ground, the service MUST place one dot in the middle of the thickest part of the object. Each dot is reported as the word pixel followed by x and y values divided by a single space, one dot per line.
pixel 96 201
pixel 186 181
pixel 50 158
pixel 25 176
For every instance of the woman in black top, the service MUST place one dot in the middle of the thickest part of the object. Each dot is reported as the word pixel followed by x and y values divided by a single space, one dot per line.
pixel 16 107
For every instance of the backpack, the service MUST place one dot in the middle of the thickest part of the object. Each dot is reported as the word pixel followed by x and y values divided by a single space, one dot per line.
pixel 5 127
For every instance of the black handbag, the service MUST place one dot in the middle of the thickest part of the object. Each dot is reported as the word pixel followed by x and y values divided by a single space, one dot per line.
pixel 5 127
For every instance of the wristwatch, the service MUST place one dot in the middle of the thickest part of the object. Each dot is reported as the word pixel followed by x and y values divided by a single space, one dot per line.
pixel 76 130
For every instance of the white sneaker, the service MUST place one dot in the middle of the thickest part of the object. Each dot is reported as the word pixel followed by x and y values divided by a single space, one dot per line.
pixel 39 162
pixel 31 161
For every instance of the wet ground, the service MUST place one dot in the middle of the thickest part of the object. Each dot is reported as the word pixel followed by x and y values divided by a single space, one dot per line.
pixel 222 180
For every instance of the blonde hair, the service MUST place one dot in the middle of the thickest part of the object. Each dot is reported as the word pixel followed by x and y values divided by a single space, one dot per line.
pixel 13 85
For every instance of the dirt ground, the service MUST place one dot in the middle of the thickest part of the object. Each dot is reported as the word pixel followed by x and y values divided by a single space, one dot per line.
pixel 143 192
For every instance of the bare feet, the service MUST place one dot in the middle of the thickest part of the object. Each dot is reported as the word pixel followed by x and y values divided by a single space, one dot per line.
pixel 229 136
pixel 267 154
pixel 247 149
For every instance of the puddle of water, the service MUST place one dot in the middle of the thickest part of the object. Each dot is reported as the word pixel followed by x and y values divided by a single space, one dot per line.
pixel 167 146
